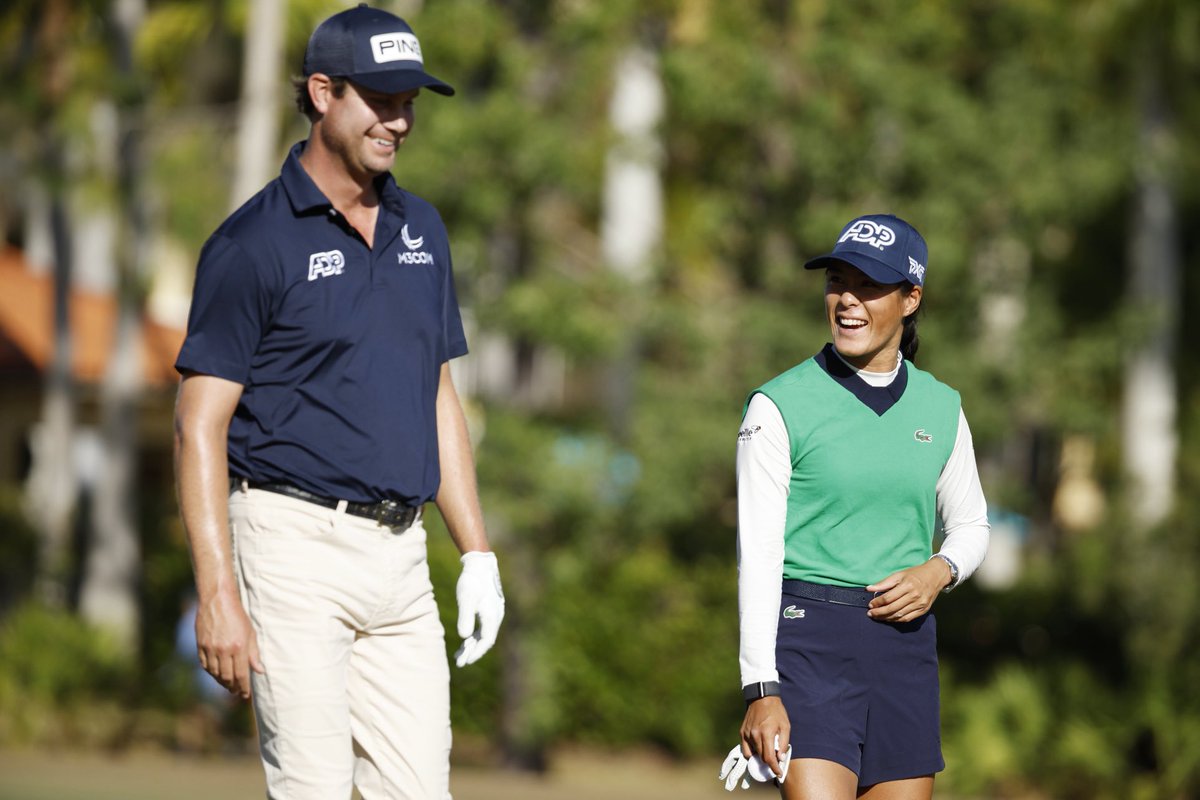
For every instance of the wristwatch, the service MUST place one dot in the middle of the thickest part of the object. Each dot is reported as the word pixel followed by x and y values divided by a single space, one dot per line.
pixel 953 571
pixel 757 691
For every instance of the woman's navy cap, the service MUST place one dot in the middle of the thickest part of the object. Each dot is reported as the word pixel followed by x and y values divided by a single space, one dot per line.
pixel 372 48
pixel 884 247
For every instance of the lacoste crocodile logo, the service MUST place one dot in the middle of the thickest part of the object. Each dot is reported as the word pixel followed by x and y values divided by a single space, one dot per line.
pixel 921 436
pixel 791 612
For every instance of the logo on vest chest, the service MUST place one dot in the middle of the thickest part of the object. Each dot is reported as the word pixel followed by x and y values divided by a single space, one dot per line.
pixel 921 436
pixel 791 612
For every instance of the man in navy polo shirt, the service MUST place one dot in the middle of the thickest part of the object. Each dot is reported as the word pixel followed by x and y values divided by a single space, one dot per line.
pixel 316 416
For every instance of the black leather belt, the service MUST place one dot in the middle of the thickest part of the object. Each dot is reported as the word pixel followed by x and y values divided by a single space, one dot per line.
pixel 840 595
pixel 385 512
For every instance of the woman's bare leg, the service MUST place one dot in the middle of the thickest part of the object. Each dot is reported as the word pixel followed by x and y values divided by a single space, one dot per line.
pixel 908 789
pixel 818 779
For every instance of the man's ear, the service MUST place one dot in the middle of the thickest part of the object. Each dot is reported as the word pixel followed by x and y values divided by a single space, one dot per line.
pixel 320 90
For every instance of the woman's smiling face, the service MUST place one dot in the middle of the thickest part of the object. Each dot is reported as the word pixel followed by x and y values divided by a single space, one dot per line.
pixel 866 318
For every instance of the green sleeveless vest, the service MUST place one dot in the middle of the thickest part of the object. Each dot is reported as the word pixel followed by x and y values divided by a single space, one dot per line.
pixel 862 501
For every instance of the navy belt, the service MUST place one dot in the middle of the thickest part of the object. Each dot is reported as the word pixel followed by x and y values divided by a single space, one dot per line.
pixel 385 512
pixel 840 595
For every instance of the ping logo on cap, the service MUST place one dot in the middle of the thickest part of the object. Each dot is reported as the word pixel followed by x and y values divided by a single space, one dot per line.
pixel 397 46
pixel 868 232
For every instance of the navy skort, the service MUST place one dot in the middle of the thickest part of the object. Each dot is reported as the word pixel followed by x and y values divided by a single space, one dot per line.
pixel 861 693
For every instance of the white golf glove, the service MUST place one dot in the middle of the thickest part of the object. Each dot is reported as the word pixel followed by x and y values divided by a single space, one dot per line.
pixel 736 766
pixel 479 594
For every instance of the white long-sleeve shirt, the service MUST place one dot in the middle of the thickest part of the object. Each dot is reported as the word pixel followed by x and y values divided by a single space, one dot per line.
pixel 764 470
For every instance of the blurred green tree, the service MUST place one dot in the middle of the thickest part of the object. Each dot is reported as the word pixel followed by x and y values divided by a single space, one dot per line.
pixel 1012 134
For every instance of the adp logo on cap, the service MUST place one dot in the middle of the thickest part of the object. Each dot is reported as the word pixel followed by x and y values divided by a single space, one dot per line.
pixel 868 232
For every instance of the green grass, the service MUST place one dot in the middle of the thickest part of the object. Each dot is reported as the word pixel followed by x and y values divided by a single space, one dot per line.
pixel 50 775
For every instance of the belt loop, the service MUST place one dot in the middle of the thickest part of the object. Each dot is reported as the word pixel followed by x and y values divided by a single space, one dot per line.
pixel 244 485
pixel 341 506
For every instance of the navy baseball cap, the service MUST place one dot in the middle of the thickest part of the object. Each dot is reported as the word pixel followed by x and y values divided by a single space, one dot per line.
pixel 886 248
pixel 372 48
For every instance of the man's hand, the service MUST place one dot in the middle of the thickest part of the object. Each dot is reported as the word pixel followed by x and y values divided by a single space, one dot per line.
pixel 905 595
pixel 226 643
pixel 479 595
pixel 766 725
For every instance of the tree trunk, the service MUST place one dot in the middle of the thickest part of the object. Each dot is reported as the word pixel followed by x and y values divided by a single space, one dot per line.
pixel 258 111
pixel 631 227
pixel 109 593
pixel 1149 432
pixel 51 489
pixel 523 745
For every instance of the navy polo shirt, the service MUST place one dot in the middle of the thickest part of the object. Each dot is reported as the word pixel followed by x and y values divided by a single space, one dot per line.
pixel 339 347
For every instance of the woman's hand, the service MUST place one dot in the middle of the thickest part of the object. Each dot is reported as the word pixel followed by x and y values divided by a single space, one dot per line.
pixel 765 719
pixel 905 595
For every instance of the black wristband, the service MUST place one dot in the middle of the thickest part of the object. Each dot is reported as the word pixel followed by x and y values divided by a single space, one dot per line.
pixel 757 691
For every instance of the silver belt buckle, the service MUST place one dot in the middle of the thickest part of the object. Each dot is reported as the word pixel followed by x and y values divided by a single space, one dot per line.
pixel 385 512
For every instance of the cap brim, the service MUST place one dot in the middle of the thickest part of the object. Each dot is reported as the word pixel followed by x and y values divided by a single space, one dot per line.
pixel 400 80
pixel 873 269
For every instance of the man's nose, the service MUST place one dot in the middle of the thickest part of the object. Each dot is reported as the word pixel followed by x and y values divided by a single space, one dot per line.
pixel 397 117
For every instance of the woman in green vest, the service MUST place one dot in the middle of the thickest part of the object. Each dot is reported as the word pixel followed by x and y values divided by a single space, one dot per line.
pixel 845 463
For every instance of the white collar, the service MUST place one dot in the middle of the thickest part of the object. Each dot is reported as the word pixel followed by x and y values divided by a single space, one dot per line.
pixel 876 379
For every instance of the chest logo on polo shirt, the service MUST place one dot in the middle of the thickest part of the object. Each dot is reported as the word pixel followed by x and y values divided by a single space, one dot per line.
pixel 921 436
pixel 323 265
pixel 409 242
pixel 412 244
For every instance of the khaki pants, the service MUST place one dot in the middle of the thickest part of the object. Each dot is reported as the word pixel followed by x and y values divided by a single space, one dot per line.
pixel 357 685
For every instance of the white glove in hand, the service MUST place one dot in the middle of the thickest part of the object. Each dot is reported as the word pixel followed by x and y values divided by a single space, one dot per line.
pixel 733 768
pixel 736 765
pixel 479 594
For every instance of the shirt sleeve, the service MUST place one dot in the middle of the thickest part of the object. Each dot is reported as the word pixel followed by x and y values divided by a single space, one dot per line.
pixel 230 308
pixel 962 507
pixel 764 469
pixel 454 338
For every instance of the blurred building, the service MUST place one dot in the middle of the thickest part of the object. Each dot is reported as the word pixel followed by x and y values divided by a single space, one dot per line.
pixel 27 349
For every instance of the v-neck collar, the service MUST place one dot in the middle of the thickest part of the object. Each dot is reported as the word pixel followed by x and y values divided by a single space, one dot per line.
pixel 877 398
